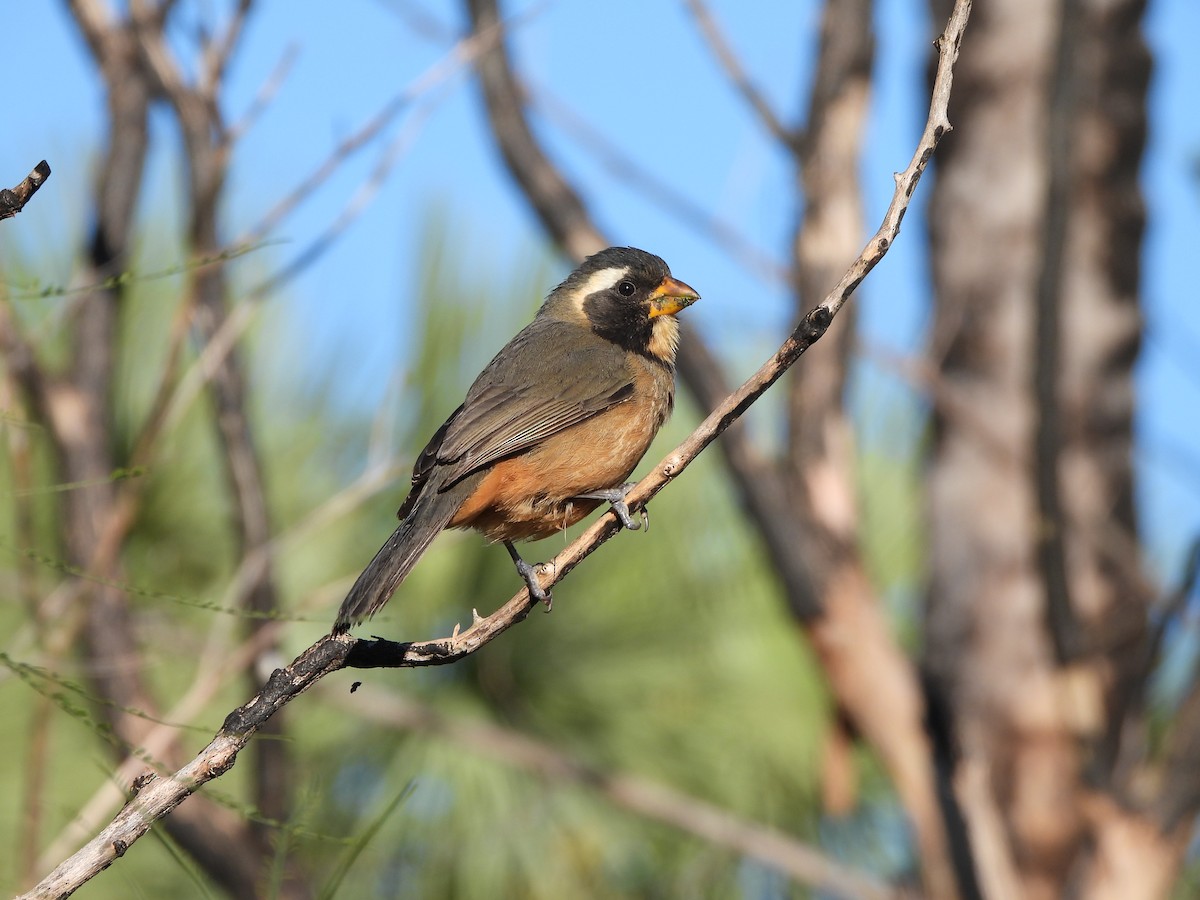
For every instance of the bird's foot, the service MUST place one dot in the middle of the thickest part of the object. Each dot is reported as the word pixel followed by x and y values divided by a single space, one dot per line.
pixel 616 498
pixel 528 572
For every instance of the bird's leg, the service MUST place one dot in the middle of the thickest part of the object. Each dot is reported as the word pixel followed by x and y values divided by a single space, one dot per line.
pixel 527 572
pixel 616 497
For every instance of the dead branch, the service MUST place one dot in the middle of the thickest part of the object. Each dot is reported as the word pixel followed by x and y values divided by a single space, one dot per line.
pixel 650 188
pixel 345 149
pixel 13 201
pixel 640 796
pixel 207 150
pixel 217 52
pixel 263 97
pixel 234 325
pixel 785 135
pixel 159 796
pixel 559 207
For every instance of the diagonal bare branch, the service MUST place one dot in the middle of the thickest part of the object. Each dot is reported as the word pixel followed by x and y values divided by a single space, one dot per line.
pixel 217 52
pixel 263 97
pixel 559 207
pixel 788 137
pixel 640 796
pixel 686 210
pixel 158 797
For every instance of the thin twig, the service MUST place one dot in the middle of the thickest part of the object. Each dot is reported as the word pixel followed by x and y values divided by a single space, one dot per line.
pixel 353 209
pixel 331 653
pixel 458 58
pixel 214 672
pixel 790 138
pixel 331 164
pixel 220 344
pixel 263 97
pixel 13 201
pixel 650 188
pixel 217 53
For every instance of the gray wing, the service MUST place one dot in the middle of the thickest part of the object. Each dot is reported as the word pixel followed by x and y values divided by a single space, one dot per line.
pixel 543 382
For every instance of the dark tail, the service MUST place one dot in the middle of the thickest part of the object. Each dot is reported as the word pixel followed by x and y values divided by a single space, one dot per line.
pixel 396 558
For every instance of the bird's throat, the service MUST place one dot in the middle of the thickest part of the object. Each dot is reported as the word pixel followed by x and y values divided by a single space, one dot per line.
pixel 664 339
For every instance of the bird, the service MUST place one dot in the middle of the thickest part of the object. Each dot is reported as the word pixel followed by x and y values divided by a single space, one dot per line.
pixel 552 426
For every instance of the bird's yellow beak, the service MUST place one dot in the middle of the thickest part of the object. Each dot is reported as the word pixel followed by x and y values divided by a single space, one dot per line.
pixel 670 297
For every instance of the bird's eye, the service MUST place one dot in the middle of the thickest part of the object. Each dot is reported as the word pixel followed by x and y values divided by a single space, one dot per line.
pixel 626 288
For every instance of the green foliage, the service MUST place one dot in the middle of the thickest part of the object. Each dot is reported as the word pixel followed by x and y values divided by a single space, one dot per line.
pixel 668 654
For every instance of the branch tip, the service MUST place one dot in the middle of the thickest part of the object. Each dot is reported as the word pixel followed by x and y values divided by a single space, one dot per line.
pixel 14 200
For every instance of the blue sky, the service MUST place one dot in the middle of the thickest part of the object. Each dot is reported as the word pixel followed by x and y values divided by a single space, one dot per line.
pixel 639 73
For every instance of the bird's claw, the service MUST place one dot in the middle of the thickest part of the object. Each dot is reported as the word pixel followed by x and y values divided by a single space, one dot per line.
pixel 616 499
pixel 529 574
pixel 621 509
pixel 536 591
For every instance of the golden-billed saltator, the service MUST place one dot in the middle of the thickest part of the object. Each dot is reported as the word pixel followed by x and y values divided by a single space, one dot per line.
pixel 552 426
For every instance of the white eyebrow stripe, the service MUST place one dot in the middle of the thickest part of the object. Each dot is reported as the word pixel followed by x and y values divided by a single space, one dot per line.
pixel 602 280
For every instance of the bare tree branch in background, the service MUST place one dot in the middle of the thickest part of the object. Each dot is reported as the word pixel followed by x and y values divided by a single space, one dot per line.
pixel 156 797
pixel 235 324
pixel 788 137
pixel 640 796
pixel 196 108
pixel 76 407
pixel 139 69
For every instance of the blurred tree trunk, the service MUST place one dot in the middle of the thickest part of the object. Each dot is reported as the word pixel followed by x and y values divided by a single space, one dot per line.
pixel 873 682
pixel 1035 628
